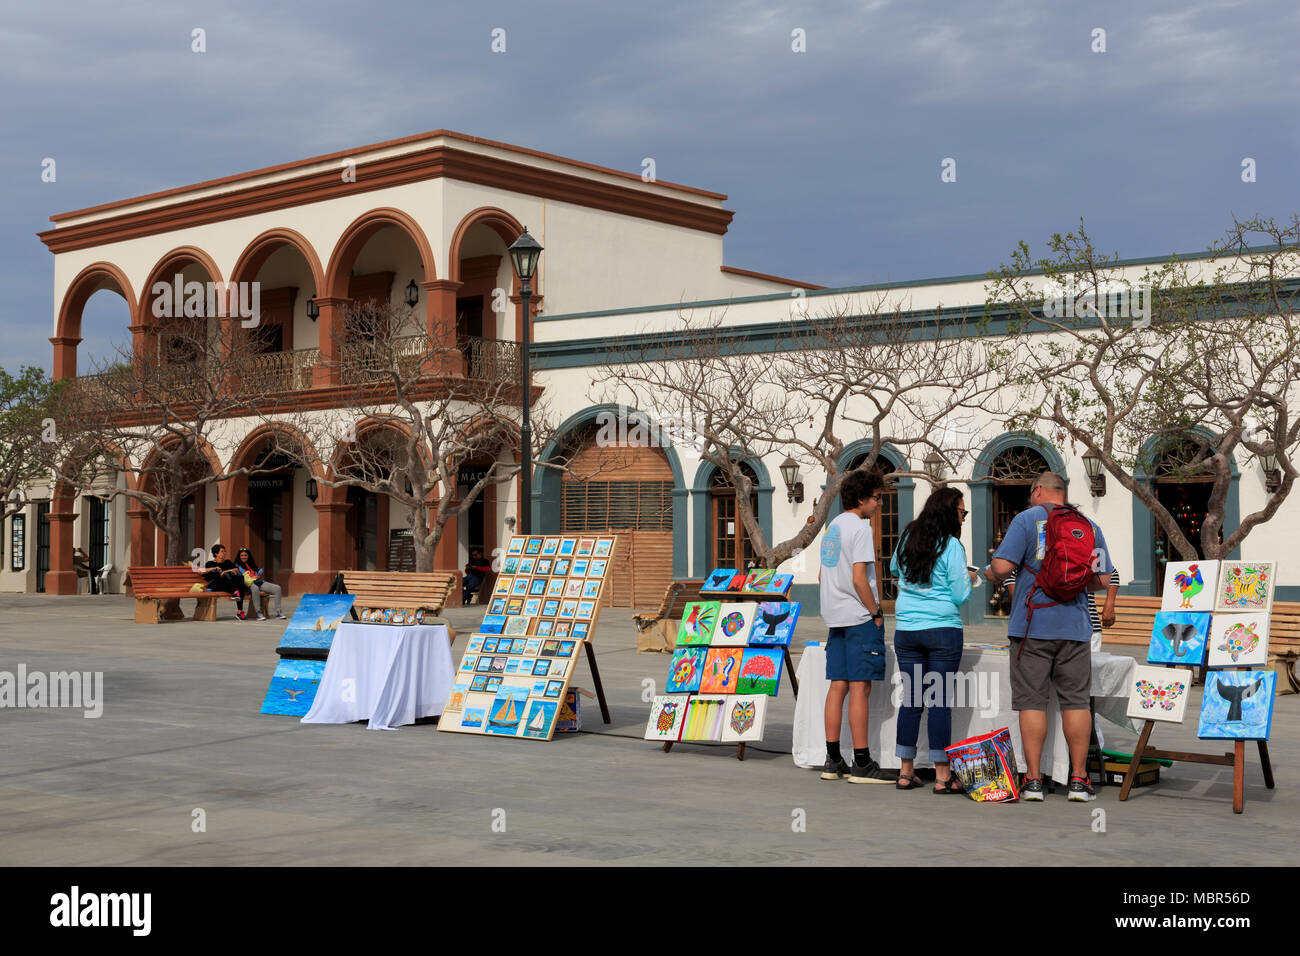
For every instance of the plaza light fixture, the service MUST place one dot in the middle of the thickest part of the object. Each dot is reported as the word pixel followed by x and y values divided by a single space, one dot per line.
pixel 935 466
pixel 412 294
pixel 1096 480
pixel 525 252
pixel 1272 474
pixel 793 486
pixel 312 492
pixel 313 310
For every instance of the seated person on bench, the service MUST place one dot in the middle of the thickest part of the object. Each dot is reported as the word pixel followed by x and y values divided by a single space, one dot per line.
pixel 476 571
pixel 222 575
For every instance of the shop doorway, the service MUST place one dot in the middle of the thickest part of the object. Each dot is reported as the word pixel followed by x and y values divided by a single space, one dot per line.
pixel 268 498
pixel 1013 473
pixel 42 544
pixel 1188 502
pixel 363 528
pixel 884 532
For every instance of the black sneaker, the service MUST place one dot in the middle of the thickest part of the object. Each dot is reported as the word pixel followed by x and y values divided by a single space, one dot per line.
pixel 1032 790
pixel 835 770
pixel 871 773
pixel 1081 790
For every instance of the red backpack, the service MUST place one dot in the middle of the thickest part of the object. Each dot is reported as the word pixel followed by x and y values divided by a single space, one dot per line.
pixel 1067 559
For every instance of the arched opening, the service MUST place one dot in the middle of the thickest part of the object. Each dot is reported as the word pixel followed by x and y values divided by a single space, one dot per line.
pixel 729 544
pixel 488 329
pixel 1183 487
pixel 285 340
pixel 105 331
pixel 623 488
pixel 97 321
pixel 179 325
pixel 1012 472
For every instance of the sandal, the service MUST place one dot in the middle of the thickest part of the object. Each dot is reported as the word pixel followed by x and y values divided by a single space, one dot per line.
pixel 951 785
pixel 914 785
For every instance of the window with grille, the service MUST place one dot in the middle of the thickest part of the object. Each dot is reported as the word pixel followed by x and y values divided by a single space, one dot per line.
pixel 617 506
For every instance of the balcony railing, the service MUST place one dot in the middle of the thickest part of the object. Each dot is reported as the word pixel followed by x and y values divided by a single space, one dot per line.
pixel 286 371
pixel 491 360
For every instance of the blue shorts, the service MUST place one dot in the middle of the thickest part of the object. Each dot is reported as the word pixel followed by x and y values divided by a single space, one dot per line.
pixel 856 653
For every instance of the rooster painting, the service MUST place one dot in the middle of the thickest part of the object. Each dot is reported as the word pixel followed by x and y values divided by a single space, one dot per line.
pixel 1190 583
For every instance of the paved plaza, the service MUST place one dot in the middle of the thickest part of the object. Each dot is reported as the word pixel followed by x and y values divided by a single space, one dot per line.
pixel 180 731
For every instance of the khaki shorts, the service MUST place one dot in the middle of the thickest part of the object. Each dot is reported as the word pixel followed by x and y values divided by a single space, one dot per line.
pixel 1040 664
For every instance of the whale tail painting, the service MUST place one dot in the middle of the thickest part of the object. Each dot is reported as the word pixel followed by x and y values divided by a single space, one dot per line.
pixel 1234 694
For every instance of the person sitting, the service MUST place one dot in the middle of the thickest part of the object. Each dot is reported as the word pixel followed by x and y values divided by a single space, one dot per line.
pixel 258 584
pixel 222 575
pixel 81 565
pixel 476 571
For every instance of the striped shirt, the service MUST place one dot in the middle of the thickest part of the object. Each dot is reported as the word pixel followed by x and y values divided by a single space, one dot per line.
pixel 1093 616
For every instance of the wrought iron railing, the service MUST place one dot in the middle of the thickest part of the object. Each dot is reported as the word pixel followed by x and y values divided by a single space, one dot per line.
pixel 491 360
pixel 286 371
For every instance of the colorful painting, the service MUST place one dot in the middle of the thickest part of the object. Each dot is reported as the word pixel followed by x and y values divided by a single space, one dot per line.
pixel 573 589
pixel 503 585
pixel 1237 639
pixel 698 621
pixel 734 623
pixel 579 631
pixel 498 606
pixel 551 545
pixel 516 546
pixel 473 718
pixel 768 582
pixel 493 624
pixel 565 648
pixel 686 670
pixel 1246 586
pixel 293 687
pixel 569 610
pixel 760 672
pixel 1189 586
pixel 1237 705
pixel 541 717
pixel 774 623
pixel 532 607
pixel 551 607
pixel 475 644
pixel 544 566
pixel 532 646
pixel 604 547
pixel 1159 693
pixel 545 628
pixel 520 587
pixel 515 606
pixel 566 548
pixel 534 546
pixel 456 699
pixel 540 667
pixel 526 565
pixel 597 568
pixel 591 589
pixel 555 589
pixel 721 670
pixel 580 567
pixel 743 719
pixel 586 609
pixel 562 628
pixel 517 624
pixel 507 710
pixel 570 716
pixel 537 587
pixel 724 579
pixel 510 566
pixel 584 547
pixel 315 620
pixel 1179 637
pixel 704 717
pixel 490 644
pixel 554 688
pixel 562 566
pixel 667 714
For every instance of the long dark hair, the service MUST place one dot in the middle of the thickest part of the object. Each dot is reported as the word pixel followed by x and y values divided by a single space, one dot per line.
pixel 252 562
pixel 924 539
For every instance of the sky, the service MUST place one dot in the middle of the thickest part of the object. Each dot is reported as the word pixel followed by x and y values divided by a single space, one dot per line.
pixel 831 156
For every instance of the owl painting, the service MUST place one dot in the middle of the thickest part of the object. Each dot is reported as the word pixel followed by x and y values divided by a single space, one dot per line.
pixel 665 721
pixel 743 719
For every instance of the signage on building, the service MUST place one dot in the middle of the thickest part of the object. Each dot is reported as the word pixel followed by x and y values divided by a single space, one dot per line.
pixel 469 476
pixel 17 543
pixel 271 483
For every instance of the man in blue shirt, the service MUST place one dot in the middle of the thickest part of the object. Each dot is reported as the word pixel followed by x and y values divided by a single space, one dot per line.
pixel 1058 652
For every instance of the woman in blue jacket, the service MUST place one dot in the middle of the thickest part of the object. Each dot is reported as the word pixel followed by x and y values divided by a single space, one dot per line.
pixel 933 583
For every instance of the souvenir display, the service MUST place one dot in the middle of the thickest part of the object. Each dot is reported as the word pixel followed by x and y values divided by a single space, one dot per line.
pixel 1237 705
pixel 1159 693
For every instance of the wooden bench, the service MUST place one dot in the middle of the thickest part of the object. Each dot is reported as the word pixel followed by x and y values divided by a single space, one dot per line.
pixel 158 593
pixel 1135 616
pixel 665 619
pixel 401 589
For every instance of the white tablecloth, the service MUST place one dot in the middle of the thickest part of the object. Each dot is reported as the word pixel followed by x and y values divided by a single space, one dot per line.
pixel 1110 676
pixel 387 675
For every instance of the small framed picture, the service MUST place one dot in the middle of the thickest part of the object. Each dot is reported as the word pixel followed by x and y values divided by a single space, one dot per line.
pixel 550 607
pixel 569 610
pixel 475 644
pixel 585 547
pixel 541 667
pixel 490 645
pixel 468 663
pixel 550 546
pixel 597 569
pixel 562 566
pixel 550 648
pixel 498 605
pixel 538 587
pixel 520 587
pixel 484 665
pixel 579 632
pixel 516 546
pixel 604 547
pixel 503 585
pixel 586 609
pixel 544 565
pixel 573 589
pixel 532 646
pixel 526 565
pixel 562 628
pixel 580 567
pixel 534 546
pixel 515 606
pixel 566 648
pixel 544 628
pixel 591 589
pixel 567 545
pixel 479 682
pixel 532 607
pixel 554 688
pixel 555 587
pixel 510 566
pixel 493 683
pixel 518 624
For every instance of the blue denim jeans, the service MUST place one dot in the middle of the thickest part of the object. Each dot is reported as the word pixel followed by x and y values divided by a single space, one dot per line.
pixel 926 658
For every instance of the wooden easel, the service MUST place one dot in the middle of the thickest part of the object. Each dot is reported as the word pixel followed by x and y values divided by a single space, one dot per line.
pixel 789 665
pixel 595 679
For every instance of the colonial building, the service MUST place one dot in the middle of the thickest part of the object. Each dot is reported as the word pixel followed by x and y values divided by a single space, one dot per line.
pixel 623 259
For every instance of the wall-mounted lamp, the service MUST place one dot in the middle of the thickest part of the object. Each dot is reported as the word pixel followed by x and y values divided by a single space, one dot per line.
pixel 312 491
pixel 412 294
pixel 1096 480
pixel 935 466
pixel 793 486
pixel 313 310
pixel 1272 474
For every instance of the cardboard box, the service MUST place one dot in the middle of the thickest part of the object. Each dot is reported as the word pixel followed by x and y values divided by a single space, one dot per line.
pixel 660 637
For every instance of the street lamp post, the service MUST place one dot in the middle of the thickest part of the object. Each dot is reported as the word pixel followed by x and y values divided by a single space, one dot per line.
pixel 524 254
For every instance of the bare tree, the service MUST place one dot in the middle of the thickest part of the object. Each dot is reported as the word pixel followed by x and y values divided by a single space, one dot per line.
pixel 863 369
pixel 30 441
pixel 1194 360
pixel 155 418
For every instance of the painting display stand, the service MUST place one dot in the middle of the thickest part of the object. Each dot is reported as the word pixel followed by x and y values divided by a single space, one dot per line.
pixel 1236 758
pixel 771 579
pixel 518 667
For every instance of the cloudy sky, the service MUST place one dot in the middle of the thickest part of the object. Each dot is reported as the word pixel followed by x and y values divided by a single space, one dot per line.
pixel 830 157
